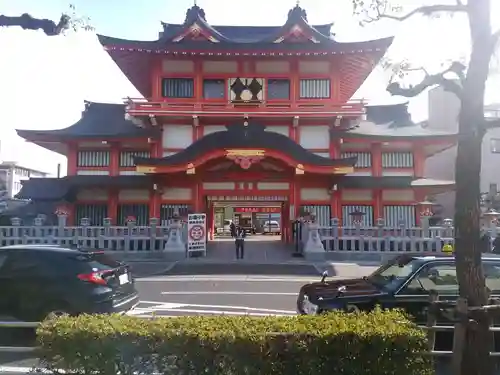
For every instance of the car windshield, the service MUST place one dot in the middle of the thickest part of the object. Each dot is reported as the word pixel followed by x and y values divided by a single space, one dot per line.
pixel 393 274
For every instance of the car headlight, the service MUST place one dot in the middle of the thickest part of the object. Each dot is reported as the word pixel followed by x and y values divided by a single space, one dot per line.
pixel 308 307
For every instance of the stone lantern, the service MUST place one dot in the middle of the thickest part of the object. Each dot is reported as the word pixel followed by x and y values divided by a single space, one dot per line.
pixel 491 217
pixel 425 213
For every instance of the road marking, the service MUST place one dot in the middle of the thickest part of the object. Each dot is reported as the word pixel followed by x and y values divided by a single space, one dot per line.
pixel 166 308
pixel 235 293
pixel 219 312
pixel 229 278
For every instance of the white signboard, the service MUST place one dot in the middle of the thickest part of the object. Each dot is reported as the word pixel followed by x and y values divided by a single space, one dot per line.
pixel 197 233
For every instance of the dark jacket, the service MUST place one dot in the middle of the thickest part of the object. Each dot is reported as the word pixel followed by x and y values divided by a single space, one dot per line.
pixel 496 245
pixel 240 234
pixel 232 229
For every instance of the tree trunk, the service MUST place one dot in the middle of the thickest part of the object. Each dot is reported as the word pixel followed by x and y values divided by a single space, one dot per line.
pixel 476 359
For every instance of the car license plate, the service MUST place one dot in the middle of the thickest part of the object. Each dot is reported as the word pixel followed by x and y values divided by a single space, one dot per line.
pixel 123 279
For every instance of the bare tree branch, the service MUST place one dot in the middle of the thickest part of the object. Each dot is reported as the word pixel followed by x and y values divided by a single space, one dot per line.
pixel 380 9
pixel 28 22
pixel 426 10
pixel 431 80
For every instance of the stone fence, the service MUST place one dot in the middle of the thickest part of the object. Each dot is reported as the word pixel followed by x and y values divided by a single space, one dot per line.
pixel 314 242
pixel 318 243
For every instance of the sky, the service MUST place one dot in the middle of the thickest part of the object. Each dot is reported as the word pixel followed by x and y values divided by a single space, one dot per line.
pixel 44 80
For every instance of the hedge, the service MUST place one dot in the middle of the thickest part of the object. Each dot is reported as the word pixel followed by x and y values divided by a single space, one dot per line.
pixel 375 343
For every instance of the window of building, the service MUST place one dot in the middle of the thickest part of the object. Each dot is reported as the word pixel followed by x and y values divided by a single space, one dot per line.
pixel 178 87
pixel 127 157
pixel 93 159
pixel 397 159
pixel 314 89
pixel 214 88
pixel 278 89
pixel 495 145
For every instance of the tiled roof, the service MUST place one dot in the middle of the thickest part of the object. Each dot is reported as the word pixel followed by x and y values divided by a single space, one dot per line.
pixel 99 120
pixel 251 136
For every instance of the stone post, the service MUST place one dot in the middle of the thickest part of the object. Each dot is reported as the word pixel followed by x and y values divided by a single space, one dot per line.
pixel 175 248
pixel 15 221
pixel 314 249
pixel 424 224
pixel 62 220
pixel 38 222
pixel 16 232
pixel 153 233
pixel 107 221
pixel 383 241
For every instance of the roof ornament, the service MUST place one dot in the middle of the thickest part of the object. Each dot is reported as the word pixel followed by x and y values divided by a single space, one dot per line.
pixel 297 12
pixel 193 13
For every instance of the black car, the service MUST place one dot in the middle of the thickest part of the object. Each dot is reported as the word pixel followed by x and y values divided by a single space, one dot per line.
pixel 39 280
pixel 404 282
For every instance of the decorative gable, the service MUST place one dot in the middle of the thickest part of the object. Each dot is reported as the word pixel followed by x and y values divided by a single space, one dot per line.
pixel 196 28
pixel 298 30
pixel 297 34
pixel 195 32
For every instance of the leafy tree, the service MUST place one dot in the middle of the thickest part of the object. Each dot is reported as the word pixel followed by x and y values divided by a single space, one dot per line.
pixel 467 82
pixel 68 20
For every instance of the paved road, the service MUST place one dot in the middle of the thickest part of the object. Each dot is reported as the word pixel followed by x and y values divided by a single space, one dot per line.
pixel 204 295
pixel 207 295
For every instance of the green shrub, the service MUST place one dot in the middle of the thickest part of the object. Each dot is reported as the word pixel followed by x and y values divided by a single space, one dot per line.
pixel 376 343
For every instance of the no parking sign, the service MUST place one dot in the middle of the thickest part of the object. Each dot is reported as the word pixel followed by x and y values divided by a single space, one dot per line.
pixel 197 229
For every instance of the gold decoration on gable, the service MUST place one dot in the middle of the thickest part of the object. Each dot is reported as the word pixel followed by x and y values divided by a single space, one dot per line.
pixel 343 170
pixel 299 169
pixel 245 153
pixel 145 169
pixel 190 169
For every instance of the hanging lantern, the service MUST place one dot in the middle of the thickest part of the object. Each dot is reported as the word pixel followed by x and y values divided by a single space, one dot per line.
pixel 357 217
pixel 130 219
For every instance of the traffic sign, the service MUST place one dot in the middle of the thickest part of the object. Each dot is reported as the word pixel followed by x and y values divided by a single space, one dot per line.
pixel 196 232
pixel 197 229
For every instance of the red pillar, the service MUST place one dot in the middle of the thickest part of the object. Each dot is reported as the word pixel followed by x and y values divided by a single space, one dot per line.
pixel 72 158
pixel 114 160
pixel 113 205
pixel 418 160
pixel 377 172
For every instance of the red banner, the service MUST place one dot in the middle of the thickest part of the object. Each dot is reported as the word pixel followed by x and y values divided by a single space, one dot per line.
pixel 265 210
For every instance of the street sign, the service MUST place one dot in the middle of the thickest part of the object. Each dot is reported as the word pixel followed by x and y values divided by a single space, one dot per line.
pixel 267 210
pixel 197 229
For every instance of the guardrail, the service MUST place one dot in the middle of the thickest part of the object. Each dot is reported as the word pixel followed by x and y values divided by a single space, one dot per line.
pixel 16 324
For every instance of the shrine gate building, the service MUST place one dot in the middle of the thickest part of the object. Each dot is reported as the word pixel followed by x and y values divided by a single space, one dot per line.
pixel 243 117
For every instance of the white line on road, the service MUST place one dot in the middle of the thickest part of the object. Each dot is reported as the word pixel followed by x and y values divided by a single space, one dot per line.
pixel 167 308
pixel 229 278
pixel 220 312
pixel 235 293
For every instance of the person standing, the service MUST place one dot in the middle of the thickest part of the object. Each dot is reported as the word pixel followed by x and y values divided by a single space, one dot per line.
pixel 240 242
pixel 232 229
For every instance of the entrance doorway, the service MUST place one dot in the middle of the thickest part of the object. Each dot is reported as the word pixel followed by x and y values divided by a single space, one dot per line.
pixel 257 218
pixel 264 218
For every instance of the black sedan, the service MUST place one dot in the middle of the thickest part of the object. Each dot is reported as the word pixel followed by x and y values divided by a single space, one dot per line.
pixel 404 282
pixel 43 280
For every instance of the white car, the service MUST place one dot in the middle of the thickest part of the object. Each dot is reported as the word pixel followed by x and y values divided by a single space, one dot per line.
pixel 227 227
pixel 271 227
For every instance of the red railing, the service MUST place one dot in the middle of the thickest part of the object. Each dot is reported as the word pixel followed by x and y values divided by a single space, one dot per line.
pixel 138 107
